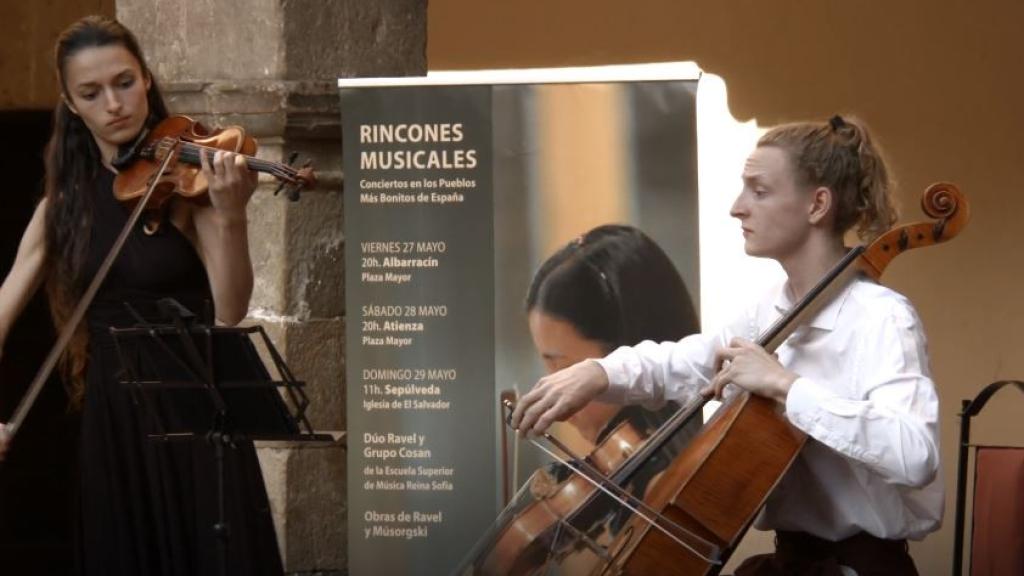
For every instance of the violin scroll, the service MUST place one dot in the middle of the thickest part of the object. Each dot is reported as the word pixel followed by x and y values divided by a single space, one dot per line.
pixel 942 201
pixel 293 181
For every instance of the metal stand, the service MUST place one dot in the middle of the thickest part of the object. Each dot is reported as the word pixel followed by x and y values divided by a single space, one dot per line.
pixel 221 404
pixel 970 408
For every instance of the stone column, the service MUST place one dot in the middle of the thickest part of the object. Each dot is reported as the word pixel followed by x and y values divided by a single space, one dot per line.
pixel 272 66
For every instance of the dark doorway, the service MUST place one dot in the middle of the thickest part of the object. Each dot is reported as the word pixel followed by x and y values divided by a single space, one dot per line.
pixel 36 481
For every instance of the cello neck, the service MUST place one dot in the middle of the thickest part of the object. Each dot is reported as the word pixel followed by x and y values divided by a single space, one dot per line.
pixel 812 302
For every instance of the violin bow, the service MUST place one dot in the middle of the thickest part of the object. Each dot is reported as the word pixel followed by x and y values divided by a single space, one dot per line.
pixel 28 400
pixel 620 495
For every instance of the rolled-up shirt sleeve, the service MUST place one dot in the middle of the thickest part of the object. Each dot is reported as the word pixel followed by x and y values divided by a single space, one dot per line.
pixel 889 420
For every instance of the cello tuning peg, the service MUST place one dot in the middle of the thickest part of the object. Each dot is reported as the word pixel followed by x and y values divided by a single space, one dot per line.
pixel 292 157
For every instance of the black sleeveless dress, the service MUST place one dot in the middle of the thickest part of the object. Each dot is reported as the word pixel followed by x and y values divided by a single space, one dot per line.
pixel 149 508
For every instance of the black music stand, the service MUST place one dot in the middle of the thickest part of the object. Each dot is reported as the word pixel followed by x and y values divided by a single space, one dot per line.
pixel 215 385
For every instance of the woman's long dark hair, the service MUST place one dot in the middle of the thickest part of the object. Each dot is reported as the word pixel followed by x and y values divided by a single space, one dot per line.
pixel 72 167
pixel 616 286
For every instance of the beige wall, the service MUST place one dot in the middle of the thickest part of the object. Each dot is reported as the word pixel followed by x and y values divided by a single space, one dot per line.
pixel 27 33
pixel 938 81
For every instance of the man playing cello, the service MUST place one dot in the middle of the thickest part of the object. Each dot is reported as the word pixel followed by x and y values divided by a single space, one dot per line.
pixel 855 378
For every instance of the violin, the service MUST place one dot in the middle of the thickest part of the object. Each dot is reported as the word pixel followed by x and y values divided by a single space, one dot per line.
pixel 570 521
pixel 693 517
pixel 163 162
pixel 527 539
pixel 186 140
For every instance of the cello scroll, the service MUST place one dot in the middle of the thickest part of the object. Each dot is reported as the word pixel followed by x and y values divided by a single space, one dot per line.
pixel 942 201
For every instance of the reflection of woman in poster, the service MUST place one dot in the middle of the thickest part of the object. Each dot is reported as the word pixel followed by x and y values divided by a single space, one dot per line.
pixel 612 286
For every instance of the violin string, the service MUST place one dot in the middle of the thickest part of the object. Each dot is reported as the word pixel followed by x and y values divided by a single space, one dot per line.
pixel 596 474
pixel 635 510
pixel 191 152
pixel 624 494
pixel 777 333
pixel 661 435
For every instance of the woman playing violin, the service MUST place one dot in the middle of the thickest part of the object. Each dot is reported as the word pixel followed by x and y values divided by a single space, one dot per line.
pixel 611 286
pixel 144 508
pixel 855 378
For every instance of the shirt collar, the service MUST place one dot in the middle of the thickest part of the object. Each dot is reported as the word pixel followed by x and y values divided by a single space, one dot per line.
pixel 826 318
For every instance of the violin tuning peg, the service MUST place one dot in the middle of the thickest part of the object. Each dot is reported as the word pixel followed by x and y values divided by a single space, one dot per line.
pixel 279 188
pixel 292 158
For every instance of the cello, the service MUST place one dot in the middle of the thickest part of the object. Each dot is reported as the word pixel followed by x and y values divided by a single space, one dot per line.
pixel 694 516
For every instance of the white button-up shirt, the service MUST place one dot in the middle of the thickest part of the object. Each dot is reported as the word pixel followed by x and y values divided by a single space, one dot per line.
pixel 864 397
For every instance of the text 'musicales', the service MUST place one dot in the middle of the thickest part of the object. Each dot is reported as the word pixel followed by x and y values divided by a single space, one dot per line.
pixel 411 147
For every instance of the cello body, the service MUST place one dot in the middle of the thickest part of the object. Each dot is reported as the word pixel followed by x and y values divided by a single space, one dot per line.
pixel 709 492
pixel 714 488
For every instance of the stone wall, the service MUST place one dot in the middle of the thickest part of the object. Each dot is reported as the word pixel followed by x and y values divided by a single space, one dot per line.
pixel 272 67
